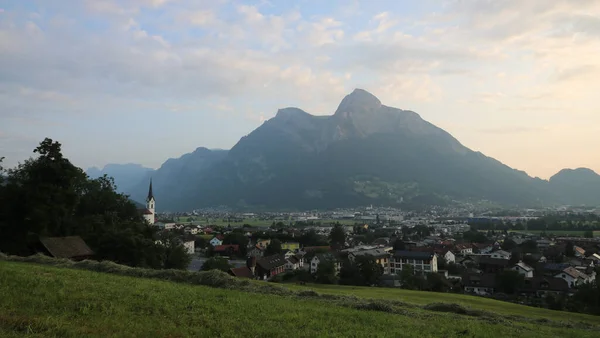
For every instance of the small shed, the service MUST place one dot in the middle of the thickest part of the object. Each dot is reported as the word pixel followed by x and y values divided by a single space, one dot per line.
pixel 70 247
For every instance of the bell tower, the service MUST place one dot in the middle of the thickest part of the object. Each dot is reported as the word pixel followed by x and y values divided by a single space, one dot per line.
pixel 151 204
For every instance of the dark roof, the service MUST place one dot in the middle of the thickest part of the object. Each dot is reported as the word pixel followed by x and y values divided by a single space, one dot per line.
pixel 294 259
pixel 493 261
pixel 315 248
pixel 545 283
pixel 413 254
pixel 376 253
pixel 487 280
pixel 555 266
pixel 243 272
pixel 271 262
pixel 66 247
pixel 150 194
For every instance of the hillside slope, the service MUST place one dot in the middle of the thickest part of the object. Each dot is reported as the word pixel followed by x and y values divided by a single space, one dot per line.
pixel 48 301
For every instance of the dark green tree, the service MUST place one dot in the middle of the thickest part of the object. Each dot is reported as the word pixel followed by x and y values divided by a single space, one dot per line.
pixel 326 273
pixel 240 239
pixel 588 234
pixel 509 281
pixel 337 237
pixel 569 249
pixel 399 245
pixel 508 245
pixel 216 263
pixel 273 248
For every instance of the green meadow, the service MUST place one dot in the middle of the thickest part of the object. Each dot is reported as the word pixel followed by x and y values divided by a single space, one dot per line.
pixel 50 301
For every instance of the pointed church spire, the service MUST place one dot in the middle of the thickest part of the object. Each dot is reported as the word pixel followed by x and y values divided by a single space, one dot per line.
pixel 150 194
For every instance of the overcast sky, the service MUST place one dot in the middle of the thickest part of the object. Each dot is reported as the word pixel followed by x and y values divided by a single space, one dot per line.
pixel 144 80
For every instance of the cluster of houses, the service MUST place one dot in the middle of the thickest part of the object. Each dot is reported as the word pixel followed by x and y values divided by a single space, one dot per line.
pixel 480 264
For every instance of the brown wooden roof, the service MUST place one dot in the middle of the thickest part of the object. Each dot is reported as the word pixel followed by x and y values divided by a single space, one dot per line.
pixel 66 247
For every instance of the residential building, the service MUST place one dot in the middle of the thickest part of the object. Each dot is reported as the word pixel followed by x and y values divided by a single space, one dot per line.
pixel 292 246
pixel 190 247
pixel 479 284
pixel 267 267
pixel 215 241
pixel 579 251
pixel 423 262
pixel 523 269
pixel 574 277
pixel 463 249
pixel 226 249
pixel 263 243
pixel 542 286
pixel 293 263
pixel 500 254
pixel 492 265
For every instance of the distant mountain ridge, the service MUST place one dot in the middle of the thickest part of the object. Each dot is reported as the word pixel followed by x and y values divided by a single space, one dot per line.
pixel 365 153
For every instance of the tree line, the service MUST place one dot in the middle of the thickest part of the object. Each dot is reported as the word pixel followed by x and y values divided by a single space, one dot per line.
pixel 48 196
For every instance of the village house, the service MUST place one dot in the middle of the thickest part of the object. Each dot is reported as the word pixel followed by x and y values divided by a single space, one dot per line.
pixel 267 267
pixel 479 284
pixel 500 254
pixel 523 269
pixel 263 243
pixel 292 246
pixel 463 249
pixel 492 265
pixel 217 240
pixel 293 263
pixel 542 286
pixel 190 247
pixel 245 271
pixel 226 249
pixel 579 251
pixel 423 262
pixel 573 277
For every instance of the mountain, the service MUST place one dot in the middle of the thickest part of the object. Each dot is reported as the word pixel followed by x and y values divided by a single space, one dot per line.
pixel 175 177
pixel 365 153
pixel 577 186
pixel 125 175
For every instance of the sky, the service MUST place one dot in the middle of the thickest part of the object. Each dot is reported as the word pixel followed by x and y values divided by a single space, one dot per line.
pixel 141 81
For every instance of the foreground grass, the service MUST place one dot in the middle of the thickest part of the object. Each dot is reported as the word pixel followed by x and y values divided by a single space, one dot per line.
pixel 47 301
pixel 473 302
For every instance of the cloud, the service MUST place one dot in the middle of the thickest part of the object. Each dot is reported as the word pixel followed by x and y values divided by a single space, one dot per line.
pixel 121 58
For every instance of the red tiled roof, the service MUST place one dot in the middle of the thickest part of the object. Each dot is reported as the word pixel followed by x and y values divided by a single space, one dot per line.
pixel 225 247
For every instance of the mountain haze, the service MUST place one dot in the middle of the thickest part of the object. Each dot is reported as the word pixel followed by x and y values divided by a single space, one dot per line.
pixel 365 153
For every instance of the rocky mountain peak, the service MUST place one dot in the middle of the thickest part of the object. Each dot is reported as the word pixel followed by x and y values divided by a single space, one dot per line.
pixel 359 101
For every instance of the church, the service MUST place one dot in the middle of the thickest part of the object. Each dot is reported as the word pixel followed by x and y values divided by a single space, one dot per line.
pixel 149 211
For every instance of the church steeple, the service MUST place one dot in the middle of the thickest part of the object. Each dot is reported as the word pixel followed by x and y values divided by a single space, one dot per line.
pixel 150 194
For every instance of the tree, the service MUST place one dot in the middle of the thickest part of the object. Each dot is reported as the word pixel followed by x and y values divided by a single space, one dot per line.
pixel 337 237
pixel 436 282
pixel 569 249
pixel 377 219
pixel 368 269
pixel 239 239
pixel 273 248
pixel 508 245
pixel 326 273
pixel 216 263
pixel 399 245
pixel 311 238
pixel 49 196
pixel 588 234
pixel 509 281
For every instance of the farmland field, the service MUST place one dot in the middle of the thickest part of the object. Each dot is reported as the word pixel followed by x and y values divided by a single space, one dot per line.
pixel 566 233
pixel 46 301
pixel 250 221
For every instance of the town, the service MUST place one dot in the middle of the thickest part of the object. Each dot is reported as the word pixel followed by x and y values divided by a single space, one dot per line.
pixel 534 257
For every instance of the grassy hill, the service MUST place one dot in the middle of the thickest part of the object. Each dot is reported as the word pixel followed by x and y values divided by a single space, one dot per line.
pixel 48 301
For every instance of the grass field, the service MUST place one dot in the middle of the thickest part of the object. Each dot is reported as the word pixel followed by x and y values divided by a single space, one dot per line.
pixel 45 301
pixel 565 233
